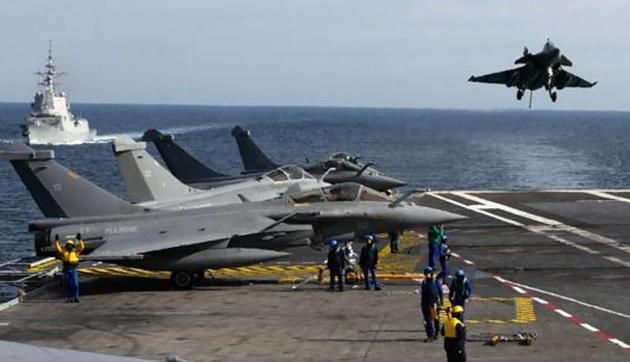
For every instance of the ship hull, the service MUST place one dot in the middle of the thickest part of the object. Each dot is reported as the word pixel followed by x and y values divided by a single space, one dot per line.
pixel 44 134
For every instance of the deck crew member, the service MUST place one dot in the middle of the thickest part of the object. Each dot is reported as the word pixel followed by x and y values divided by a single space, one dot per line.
pixel 394 240
pixel 445 254
pixel 351 270
pixel 454 332
pixel 434 238
pixel 69 255
pixel 368 260
pixel 460 290
pixel 431 300
pixel 336 265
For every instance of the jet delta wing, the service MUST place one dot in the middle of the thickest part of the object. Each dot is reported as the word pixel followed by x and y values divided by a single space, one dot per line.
pixel 506 77
pixel 153 186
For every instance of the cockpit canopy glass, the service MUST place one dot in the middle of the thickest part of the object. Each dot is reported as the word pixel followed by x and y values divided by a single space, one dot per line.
pixel 288 173
pixel 340 192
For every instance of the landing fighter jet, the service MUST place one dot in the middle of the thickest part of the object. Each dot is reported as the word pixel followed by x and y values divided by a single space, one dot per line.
pixel 346 168
pixel 192 172
pixel 543 69
pixel 186 242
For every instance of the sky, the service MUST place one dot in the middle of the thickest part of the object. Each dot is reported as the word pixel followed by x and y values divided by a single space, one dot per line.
pixel 362 53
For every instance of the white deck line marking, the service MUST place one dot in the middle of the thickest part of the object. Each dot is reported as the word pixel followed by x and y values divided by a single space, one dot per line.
pixel 483 212
pixel 533 228
pixel 605 195
pixel 589 327
pixel 618 261
pixel 563 313
pixel 468 262
pixel 569 299
pixel 500 279
pixel 618 342
pixel 564 241
pixel 543 220
pixel 541 301
pixel 565 191
pixel 519 290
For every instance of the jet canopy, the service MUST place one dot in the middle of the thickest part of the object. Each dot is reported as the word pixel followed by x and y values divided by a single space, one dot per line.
pixel 348 191
pixel 286 173
pixel 345 162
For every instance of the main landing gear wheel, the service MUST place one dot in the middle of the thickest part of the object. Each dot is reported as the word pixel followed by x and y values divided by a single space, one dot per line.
pixel 519 94
pixel 554 96
pixel 182 280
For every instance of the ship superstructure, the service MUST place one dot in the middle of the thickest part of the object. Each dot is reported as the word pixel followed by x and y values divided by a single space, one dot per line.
pixel 51 121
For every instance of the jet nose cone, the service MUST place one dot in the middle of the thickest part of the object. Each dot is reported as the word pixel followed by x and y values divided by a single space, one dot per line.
pixel 395 183
pixel 384 183
pixel 444 217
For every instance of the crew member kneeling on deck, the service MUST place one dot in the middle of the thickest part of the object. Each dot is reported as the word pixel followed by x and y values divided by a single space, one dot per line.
pixel 454 332
pixel 69 255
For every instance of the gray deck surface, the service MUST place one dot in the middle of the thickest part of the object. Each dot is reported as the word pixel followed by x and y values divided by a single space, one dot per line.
pixel 573 245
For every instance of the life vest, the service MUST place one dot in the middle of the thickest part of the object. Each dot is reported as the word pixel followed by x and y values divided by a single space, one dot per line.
pixel 70 258
pixel 450 327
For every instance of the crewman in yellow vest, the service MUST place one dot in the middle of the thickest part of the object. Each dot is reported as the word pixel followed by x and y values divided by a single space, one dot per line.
pixel 69 255
pixel 454 332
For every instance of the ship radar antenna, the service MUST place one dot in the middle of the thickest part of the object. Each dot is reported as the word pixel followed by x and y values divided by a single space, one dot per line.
pixel 50 75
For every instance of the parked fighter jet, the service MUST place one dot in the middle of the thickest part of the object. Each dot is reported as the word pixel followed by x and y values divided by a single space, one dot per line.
pixel 346 167
pixel 186 242
pixel 192 172
pixel 150 183
pixel 543 69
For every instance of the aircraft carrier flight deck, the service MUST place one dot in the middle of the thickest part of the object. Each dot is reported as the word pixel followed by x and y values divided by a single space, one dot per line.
pixel 549 263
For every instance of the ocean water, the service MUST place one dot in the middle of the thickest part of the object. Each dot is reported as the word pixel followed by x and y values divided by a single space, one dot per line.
pixel 439 149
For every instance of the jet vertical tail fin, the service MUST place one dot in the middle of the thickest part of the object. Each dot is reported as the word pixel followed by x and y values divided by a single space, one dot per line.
pixel 254 159
pixel 182 164
pixel 58 191
pixel 145 178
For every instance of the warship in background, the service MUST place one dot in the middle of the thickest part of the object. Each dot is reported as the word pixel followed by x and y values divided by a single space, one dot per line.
pixel 50 121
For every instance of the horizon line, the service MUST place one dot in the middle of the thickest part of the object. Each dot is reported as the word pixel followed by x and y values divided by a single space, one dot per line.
pixel 411 108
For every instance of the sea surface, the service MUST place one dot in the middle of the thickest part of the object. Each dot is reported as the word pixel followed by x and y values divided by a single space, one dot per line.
pixel 438 149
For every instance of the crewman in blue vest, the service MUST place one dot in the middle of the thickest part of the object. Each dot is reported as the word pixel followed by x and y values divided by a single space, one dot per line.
pixel 445 254
pixel 368 261
pixel 431 300
pixel 336 265
pixel 460 290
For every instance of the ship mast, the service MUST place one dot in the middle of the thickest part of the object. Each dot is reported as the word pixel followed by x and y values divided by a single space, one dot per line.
pixel 48 77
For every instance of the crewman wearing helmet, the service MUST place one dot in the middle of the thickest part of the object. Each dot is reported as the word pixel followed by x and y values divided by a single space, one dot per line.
pixel 431 300
pixel 460 290
pixel 336 265
pixel 454 332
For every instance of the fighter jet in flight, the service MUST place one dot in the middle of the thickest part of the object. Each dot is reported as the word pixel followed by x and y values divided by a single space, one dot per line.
pixel 186 242
pixel 345 167
pixel 191 171
pixel 543 69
